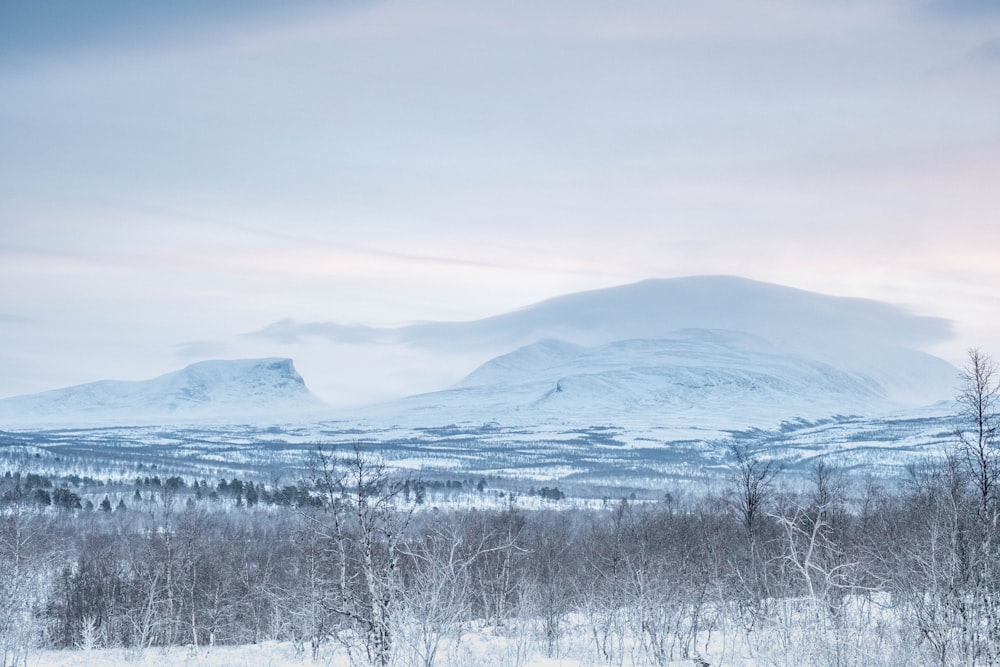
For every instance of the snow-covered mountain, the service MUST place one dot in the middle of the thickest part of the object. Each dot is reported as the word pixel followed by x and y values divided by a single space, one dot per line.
pixel 703 352
pixel 245 388
pixel 693 378
pixel 709 353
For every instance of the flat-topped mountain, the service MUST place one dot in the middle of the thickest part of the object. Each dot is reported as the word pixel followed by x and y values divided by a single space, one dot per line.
pixel 243 388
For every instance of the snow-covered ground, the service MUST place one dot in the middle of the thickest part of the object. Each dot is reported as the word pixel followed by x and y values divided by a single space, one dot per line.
pixel 800 636
pixel 585 460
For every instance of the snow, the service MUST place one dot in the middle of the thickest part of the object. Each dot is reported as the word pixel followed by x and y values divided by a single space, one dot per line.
pixel 796 635
pixel 257 388
pixel 687 379
pixel 484 648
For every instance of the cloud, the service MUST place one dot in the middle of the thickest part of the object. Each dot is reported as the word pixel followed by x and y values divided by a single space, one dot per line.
pixel 14 319
pixel 30 30
pixel 648 309
pixel 289 332
pixel 202 349
pixel 963 8
pixel 988 51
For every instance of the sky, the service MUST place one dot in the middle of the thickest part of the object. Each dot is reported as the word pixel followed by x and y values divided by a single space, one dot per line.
pixel 175 176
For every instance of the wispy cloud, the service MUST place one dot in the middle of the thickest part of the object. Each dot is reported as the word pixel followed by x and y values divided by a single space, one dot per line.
pixel 963 8
pixel 289 332
pixel 14 319
pixel 202 349
pixel 643 310
pixel 988 51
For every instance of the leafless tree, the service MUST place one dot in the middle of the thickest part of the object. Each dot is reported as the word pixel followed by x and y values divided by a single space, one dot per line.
pixel 23 580
pixel 497 576
pixel 979 423
pixel 751 489
pixel 363 524
pixel 752 483
pixel 977 433
pixel 438 555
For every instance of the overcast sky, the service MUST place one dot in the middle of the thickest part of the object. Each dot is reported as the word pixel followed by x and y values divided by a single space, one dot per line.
pixel 177 174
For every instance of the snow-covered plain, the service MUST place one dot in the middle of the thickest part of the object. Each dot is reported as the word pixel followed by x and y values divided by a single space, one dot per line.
pixel 864 635
pixel 591 461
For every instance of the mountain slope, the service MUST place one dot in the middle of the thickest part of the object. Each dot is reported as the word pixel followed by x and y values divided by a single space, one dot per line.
pixel 262 388
pixel 697 378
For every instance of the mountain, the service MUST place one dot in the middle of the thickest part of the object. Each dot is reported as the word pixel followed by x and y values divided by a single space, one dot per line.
pixel 692 378
pixel 244 388
pixel 709 352
pixel 699 352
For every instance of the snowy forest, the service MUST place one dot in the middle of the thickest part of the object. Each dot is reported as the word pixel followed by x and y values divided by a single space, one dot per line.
pixel 843 571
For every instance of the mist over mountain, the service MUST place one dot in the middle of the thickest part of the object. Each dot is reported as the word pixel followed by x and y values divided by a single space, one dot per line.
pixel 653 308
pixel 243 388
pixel 694 378
pixel 703 352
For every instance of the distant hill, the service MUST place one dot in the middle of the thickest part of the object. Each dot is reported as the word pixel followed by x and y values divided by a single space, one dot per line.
pixel 243 388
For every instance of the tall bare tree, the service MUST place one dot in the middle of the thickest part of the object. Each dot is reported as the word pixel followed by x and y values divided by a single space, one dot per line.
pixel 364 525
pixel 977 433
pixel 978 427
pixel 20 533
pixel 752 484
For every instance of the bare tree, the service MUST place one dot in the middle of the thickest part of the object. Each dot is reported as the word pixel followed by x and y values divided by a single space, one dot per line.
pixel 927 559
pixel 977 446
pixel 364 527
pixel 751 489
pixel 977 433
pixel 752 484
pixel 23 580
pixel 497 575
pixel 438 556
